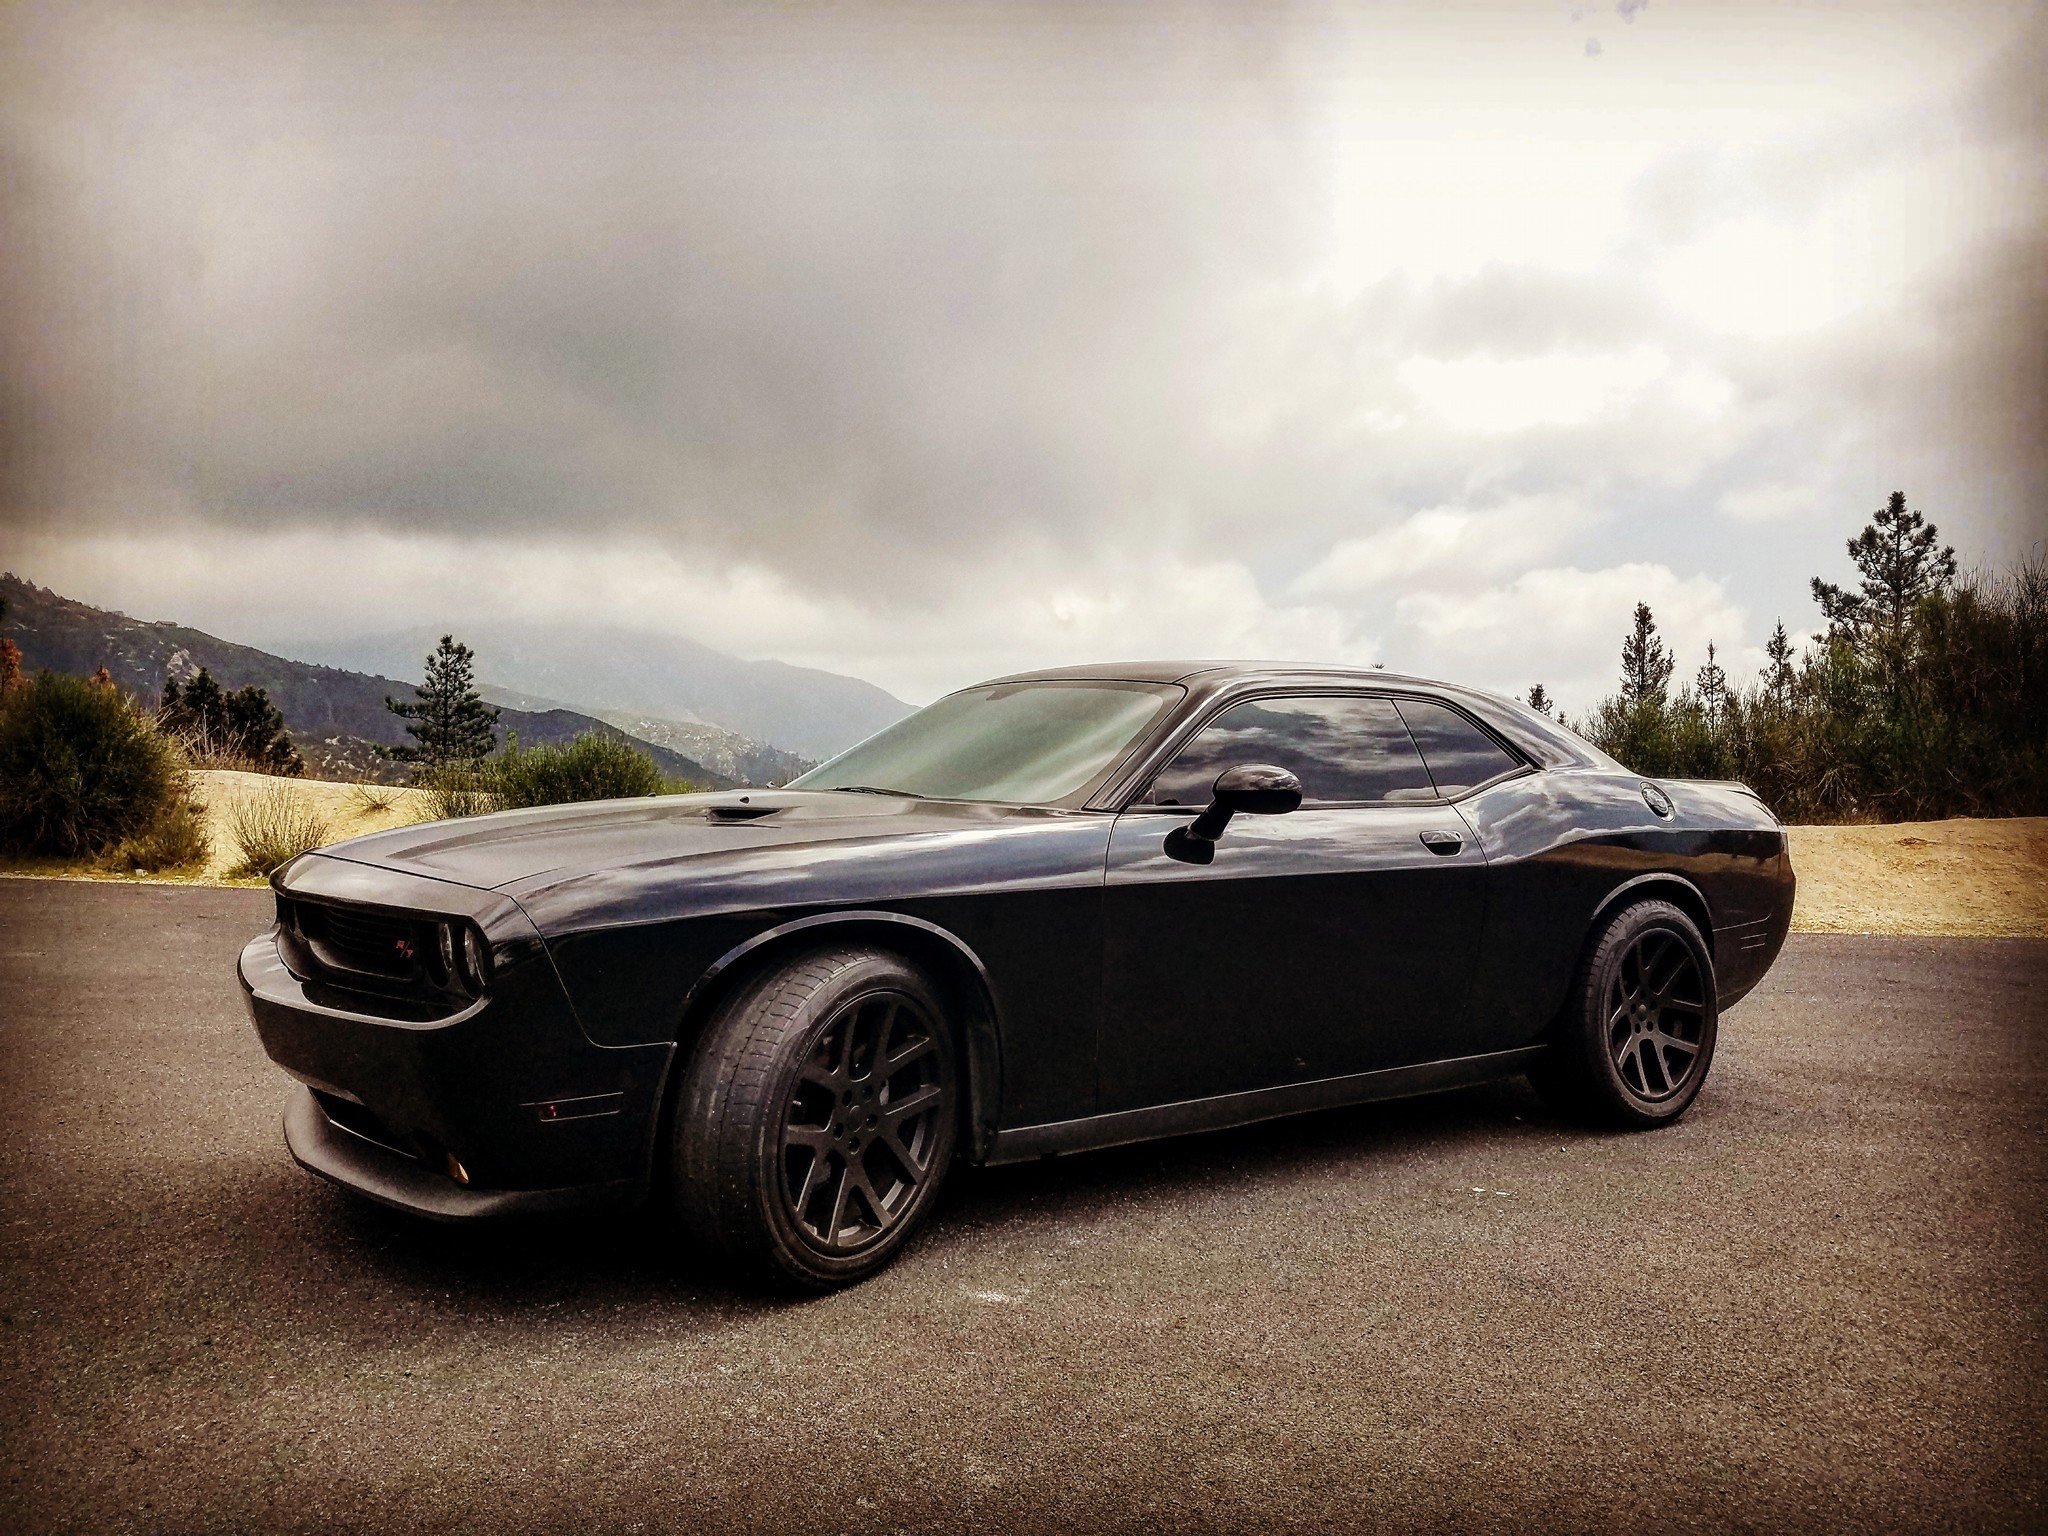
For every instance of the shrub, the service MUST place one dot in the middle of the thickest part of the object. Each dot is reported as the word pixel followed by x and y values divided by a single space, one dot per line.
pixel 80 768
pixel 274 825
pixel 592 767
pixel 242 729
pixel 453 789
pixel 372 799
pixel 177 841
pixel 1944 713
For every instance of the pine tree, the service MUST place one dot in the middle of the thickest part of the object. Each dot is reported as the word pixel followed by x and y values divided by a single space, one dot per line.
pixel 448 721
pixel 1900 565
pixel 244 725
pixel 1710 683
pixel 1777 671
pixel 1645 664
pixel 1541 702
pixel 254 728
pixel 195 712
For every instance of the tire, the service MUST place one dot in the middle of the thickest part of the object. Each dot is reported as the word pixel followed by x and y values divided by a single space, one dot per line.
pixel 795 1160
pixel 1634 1046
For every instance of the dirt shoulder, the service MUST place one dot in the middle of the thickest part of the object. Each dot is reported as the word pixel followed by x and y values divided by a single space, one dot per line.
pixel 1961 877
pixel 349 810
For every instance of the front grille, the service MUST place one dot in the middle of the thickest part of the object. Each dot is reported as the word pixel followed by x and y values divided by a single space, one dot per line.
pixel 383 944
pixel 397 958
pixel 356 946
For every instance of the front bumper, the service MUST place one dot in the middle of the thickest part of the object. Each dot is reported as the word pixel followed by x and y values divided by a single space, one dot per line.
pixel 319 1145
pixel 508 1090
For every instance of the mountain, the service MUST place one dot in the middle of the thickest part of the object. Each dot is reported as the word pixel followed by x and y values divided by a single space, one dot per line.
pixel 751 762
pixel 662 677
pixel 335 716
pixel 727 752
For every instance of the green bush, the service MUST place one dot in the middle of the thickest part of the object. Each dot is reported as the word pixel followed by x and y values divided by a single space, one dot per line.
pixel 177 841
pixel 80 768
pixel 592 767
pixel 454 789
pixel 219 729
pixel 275 825
pixel 1943 714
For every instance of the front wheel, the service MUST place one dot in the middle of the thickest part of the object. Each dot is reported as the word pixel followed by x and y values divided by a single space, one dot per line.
pixel 817 1119
pixel 1638 1033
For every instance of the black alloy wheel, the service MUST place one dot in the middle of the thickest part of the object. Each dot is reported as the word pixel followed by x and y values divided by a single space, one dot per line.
pixel 1636 1038
pixel 817 1118
pixel 1656 1013
pixel 863 1122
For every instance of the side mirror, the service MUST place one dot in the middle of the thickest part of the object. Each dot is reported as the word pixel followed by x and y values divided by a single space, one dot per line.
pixel 1256 789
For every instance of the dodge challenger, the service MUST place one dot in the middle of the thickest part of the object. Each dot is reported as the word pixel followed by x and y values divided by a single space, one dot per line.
pixel 1053 912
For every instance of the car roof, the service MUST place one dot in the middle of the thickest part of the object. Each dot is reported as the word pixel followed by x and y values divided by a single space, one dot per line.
pixel 1548 741
pixel 1207 671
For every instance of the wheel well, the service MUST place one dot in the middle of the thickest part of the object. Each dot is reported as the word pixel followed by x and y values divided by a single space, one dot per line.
pixel 1681 894
pixel 970 1013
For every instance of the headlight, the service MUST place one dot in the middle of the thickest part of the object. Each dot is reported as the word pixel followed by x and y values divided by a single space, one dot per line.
pixel 476 959
pixel 461 960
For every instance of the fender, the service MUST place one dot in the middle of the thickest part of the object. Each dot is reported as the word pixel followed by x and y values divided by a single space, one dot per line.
pixel 981 1027
pixel 1660 877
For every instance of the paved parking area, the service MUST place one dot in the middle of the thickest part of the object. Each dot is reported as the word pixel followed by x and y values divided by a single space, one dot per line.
pixel 1816 1304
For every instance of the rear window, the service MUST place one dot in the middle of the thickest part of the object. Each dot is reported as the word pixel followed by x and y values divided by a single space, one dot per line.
pixel 1460 756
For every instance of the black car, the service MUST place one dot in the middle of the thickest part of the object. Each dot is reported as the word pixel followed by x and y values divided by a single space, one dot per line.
pixel 1053 912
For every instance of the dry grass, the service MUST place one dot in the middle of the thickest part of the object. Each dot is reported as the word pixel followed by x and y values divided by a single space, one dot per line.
pixel 373 799
pixel 347 812
pixel 274 826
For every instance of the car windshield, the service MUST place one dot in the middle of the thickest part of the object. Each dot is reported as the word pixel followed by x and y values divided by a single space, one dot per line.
pixel 1020 743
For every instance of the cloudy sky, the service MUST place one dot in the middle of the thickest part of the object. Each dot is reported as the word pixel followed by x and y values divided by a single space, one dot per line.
pixel 925 343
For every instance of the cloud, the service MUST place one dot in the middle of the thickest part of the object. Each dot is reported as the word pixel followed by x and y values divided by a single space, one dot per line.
pixel 1761 503
pixel 1566 626
pixel 930 341
pixel 1447 541
pixel 1129 604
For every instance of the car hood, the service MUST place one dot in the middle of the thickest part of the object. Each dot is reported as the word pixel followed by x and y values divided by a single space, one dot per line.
pixel 535 848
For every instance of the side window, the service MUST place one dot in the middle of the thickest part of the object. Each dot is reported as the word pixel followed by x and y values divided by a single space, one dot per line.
pixel 1460 755
pixel 1342 749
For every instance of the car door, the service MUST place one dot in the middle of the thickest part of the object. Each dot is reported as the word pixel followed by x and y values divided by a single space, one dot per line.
pixel 1337 939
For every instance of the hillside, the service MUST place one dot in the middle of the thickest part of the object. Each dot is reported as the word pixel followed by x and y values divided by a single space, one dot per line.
pixel 723 751
pixel 663 677
pixel 337 717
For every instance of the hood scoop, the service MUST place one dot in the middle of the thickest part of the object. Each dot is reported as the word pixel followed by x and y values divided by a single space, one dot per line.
pixel 733 815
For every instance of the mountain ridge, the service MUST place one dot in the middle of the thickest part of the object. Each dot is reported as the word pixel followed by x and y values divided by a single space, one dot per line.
pixel 610 671
pixel 336 715
pixel 727 752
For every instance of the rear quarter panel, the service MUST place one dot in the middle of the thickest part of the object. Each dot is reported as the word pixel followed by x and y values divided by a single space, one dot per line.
pixel 1562 845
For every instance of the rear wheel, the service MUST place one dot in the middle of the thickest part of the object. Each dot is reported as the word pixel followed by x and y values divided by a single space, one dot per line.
pixel 817 1119
pixel 1638 1034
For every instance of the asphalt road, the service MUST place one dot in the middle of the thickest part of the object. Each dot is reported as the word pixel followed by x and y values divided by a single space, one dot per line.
pixel 1817 1303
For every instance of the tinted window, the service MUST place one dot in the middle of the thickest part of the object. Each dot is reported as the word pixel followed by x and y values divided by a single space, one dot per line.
pixel 1341 749
pixel 1460 755
pixel 1029 743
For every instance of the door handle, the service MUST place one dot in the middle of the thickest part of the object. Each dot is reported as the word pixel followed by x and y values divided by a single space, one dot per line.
pixel 1446 843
